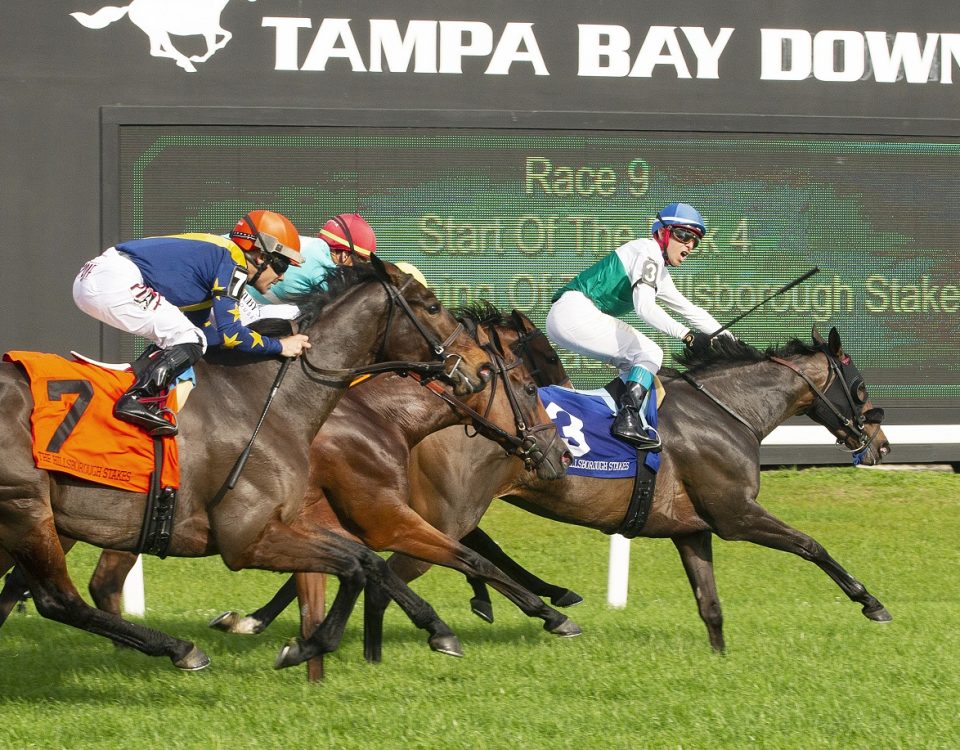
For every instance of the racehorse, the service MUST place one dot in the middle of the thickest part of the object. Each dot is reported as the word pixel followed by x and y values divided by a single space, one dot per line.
pixel 713 419
pixel 160 18
pixel 265 521
pixel 359 459
pixel 715 414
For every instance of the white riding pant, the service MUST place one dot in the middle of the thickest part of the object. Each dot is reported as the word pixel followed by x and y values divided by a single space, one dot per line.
pixel 575 323
pixel 111 289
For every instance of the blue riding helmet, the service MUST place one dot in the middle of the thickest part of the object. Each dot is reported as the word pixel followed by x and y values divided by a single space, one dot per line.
pixel 682 214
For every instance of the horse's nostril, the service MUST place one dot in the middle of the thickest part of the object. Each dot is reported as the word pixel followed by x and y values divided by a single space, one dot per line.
pixel 486 372
pixel 566 459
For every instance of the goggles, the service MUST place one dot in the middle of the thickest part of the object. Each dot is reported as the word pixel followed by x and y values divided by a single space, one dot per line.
pixel 279 263
pixel 684 235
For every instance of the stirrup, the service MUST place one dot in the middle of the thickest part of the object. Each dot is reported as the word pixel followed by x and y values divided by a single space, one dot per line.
pixel 642 441
pixel 151 422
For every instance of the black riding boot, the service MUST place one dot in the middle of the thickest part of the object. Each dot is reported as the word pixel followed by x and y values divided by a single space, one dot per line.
pixel 152 381
pixel 630 424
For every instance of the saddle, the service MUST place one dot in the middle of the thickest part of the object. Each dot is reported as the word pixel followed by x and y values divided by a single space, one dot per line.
pixel 75 432
pixel 583 420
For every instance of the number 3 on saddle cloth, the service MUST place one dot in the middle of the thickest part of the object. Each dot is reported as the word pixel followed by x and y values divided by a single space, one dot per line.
pixel 74 430
pixel 583 420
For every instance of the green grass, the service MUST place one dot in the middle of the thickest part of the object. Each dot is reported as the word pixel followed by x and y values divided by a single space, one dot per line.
pixel 803 669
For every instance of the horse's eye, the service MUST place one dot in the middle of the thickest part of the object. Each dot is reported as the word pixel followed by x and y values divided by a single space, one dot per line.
pixel 433 309
pixel 531 389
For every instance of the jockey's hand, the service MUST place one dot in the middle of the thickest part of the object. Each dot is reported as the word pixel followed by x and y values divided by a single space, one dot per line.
pixel 697 340
pixel 295 345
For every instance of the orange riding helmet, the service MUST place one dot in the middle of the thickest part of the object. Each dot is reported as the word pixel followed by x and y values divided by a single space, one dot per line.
pixel 350 233
pixel 269 232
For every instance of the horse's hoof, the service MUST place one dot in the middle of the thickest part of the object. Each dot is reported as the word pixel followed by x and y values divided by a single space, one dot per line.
pixel 194 660
pixel 567 599
pixel 290 655
pixel 225 622
pixel 446 644
pixel 566 629
pixel 482 609
pixel 877 613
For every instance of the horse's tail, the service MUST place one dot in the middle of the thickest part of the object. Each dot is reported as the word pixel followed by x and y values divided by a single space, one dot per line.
pixel 103 17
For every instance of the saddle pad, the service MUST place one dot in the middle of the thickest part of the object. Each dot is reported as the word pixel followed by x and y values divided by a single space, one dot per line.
pixel 583 420
pixel 74 430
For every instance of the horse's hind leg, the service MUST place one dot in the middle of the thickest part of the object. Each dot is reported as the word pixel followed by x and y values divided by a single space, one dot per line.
pixel 757 525
pixel 696 554
pixel 259 620
pixel 41 558
pixel 15 589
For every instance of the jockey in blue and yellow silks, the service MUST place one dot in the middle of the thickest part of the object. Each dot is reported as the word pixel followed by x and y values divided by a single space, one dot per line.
pixel 181 292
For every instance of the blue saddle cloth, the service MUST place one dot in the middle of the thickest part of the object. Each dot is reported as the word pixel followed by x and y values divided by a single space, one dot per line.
pixel 583 420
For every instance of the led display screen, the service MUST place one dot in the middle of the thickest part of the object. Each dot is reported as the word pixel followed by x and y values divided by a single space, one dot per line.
pixel 511 215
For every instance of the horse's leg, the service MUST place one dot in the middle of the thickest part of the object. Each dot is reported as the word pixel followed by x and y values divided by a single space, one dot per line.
pixel 41 558
pixel 759 526
pixel 696 554
pixel 106 583
pixel 161 46
pixel 376 600
pixel 405 531
pixel 15 587
pixel 259 620
pixel 318 550
pixel 212 44
pixel 480 542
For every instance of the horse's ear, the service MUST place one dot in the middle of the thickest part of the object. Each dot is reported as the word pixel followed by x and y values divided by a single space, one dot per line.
pixel 379 268
pixel 817 338
pixel 522 321
pixel 835 346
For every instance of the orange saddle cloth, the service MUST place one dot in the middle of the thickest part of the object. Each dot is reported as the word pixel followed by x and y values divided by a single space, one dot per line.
pixel 74 430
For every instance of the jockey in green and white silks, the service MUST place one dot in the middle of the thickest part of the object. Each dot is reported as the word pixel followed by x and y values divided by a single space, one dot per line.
pixel 583 317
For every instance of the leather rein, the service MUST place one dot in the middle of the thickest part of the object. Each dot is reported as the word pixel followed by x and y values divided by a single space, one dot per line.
pixel 524 444
pixel 435 369
pixel 855 424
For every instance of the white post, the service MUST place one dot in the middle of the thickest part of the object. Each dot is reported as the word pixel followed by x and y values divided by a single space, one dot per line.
pixel 619 571
pixel 134 599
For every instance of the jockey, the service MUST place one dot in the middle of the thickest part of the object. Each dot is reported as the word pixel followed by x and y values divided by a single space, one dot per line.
pixel 583 317
pixel 182 291
pixel 342 239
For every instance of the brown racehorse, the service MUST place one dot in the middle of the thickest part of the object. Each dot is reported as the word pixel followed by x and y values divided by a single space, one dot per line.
pixel 363 450
pixel 265 521
pixel 708 481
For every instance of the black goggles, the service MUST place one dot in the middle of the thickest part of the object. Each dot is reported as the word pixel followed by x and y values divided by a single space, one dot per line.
pixel 684 235
pixel 279 263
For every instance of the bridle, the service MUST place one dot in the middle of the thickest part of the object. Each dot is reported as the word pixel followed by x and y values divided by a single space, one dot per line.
pixel 524 444
pixel 844 378
pixel 428 370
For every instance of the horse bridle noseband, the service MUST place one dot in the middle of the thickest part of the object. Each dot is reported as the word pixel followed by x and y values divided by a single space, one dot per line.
pixel 855 423
pixel 428 370
pixel 524 444
pixel 836 380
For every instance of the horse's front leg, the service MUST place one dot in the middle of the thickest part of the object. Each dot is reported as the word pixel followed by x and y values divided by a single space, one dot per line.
pixel 759 526
pixel 212 44
pixel 696 554
pixel 259 620
pixel 106 583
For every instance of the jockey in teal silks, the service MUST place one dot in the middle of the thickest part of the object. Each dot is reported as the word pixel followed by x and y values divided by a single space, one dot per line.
pixel 584 314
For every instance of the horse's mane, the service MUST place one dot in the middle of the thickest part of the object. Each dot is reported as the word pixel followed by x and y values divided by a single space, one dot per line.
pixel 480 312
pixel 727 353
pixel 337 281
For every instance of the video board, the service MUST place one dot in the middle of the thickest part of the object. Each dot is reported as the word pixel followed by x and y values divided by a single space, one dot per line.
pixel 511 215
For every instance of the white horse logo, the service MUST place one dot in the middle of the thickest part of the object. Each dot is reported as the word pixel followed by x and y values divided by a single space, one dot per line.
pixel 161 18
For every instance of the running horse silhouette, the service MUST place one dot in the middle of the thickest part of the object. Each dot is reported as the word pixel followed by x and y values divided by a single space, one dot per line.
pixel 161 18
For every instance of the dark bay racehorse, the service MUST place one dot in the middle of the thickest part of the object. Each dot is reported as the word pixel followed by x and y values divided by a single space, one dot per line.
pixel 265 521
pixel 359 459
pixel 709 477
